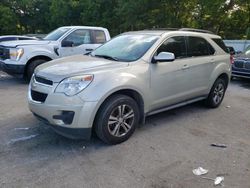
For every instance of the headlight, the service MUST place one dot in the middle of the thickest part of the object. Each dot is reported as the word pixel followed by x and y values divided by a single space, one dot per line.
pixel 16 53
pixel 74 85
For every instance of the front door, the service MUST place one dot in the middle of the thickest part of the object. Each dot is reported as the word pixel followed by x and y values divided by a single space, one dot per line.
pixel 81 43
pixel 169 80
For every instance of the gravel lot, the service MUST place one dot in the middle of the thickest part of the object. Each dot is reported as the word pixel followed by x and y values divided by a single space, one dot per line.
pixel 160 154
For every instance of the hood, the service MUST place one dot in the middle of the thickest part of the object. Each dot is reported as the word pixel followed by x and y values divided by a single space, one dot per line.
pixel 59 69
pixel 17 43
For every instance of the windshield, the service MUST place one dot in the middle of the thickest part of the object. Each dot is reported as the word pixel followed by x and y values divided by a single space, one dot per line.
pixel 247 51
pixel 128 47
pixel 56 34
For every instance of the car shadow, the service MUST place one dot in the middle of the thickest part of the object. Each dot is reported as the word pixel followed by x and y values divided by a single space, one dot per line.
pixel 7 80
pixel 46 137
pixel 243 82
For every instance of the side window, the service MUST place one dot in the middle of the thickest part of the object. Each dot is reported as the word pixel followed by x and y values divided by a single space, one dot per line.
pixel 24 38
pixel 198 46
pixel 99 37
pixel 79 37
pixel 8 39
pixel 175 45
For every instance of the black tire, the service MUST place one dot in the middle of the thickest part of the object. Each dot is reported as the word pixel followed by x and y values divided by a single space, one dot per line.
pixel 216 94
pixel 31 67
pixel 109 126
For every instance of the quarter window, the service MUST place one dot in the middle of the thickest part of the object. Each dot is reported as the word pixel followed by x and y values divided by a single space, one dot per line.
pixel 175 45
pixel 199 47
pixel 221 44
pixel 79 37
pixel 99 36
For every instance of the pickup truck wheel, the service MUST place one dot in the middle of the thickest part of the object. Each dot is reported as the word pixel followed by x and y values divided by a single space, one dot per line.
pixel 216 94
pixel 117 119
pixel 31 67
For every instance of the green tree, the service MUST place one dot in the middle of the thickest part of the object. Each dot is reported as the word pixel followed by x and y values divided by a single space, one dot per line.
pixel 8 20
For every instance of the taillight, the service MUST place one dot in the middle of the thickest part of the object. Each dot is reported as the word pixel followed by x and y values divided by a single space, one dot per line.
pixel 232 59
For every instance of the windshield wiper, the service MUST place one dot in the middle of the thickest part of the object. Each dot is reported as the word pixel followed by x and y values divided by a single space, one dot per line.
pixel 107 57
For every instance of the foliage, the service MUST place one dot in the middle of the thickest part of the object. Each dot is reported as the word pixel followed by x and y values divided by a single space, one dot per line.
pixel 228 18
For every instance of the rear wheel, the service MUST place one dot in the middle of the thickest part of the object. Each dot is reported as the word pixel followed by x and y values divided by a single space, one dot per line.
pixel 216 94
pixel 117 119
pixel 31 67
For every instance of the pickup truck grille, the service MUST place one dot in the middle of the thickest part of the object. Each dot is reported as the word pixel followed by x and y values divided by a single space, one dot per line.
pixel 43 80
pixel 4 53
pixel 38 96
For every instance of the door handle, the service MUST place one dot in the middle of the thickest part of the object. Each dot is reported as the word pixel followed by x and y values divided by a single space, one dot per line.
pixel 89 49
pixel 185 67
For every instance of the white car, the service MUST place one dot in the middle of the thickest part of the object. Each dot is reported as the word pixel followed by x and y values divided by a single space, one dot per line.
pixel 22 57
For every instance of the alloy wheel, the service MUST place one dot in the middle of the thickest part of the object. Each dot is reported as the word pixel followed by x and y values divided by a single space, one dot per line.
pixel 121 120
pixel 218 93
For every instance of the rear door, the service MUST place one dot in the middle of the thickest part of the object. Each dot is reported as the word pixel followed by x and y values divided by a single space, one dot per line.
pixel 200 65
pixel 98 37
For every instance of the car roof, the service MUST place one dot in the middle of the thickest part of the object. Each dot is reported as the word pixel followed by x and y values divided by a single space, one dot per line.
pixel 164 32
pixel 82 27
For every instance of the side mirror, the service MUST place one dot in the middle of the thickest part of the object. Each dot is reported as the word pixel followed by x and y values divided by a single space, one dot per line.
pixel 66 43
pixel 163 57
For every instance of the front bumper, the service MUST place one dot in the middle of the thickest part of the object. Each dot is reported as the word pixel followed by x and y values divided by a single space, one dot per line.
pixel 241 74
pixel 73 133
pixel 69 116
pixel 12 69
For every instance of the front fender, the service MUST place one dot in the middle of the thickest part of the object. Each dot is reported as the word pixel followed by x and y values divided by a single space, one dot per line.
pixel 40 51
pixel 114 81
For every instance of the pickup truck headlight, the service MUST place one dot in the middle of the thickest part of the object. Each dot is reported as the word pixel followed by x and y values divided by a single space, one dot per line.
pixel 74 85
pixel 16 53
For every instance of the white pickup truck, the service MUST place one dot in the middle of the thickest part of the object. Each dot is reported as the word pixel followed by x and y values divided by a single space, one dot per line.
pixel 22 57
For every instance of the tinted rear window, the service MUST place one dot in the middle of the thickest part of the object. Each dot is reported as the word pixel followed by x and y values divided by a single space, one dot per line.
pixel 198 46
pixel 221 44
pixel 99 36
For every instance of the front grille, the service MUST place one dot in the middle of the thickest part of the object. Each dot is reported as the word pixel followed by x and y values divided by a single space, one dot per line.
pixel 4 53
pixel 247 65
pixel 38 96
pixel 43 80
pixel 239 64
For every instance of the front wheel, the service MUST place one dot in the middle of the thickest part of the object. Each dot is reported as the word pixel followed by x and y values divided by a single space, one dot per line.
pixel 117 119
pixel 216 94
pixel 31 67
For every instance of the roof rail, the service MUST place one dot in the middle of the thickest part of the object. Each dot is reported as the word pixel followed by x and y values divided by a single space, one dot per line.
pixel 162 29
pixel 182 29
pixel 196 30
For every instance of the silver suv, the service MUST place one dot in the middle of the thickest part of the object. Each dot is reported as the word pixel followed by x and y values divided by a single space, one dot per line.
pixel 136 74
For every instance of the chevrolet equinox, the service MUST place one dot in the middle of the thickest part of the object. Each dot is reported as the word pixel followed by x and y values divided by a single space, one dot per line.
pixel 136 74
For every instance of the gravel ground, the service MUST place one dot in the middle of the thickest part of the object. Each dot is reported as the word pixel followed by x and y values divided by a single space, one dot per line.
pixel 160 154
